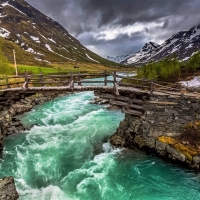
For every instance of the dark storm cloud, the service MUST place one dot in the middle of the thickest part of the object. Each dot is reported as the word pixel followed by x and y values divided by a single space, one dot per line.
pixel 122 45
pixel 93 16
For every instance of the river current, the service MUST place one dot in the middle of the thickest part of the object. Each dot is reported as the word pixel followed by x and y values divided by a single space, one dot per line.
pixel 66 156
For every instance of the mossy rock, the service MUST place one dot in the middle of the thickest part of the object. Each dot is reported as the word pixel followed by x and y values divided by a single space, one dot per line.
pixel 188 150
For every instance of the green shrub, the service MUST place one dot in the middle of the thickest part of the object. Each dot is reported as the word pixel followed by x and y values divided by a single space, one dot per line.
pixel 170 69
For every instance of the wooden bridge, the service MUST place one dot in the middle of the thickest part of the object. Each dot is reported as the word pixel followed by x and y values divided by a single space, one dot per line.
pixel 129 95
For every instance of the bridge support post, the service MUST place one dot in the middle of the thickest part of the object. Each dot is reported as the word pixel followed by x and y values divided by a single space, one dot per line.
pixel 72 81
pixel 7 84
pixel 41 80
pixel 151 86
pixel 79 79
pixel 116 91
pixel 26 80
pixel 105 79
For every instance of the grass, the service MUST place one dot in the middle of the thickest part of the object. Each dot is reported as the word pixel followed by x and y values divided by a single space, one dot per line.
pixel 63 68
pixel 67 68
pixel 36 69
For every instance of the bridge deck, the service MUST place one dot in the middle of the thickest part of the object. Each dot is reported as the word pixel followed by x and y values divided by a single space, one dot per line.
pixel 78 88
pixel 105 88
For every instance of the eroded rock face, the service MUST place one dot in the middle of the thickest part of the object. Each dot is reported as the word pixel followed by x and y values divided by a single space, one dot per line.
pixel 159 128
pixel 7 189
pixel 10 124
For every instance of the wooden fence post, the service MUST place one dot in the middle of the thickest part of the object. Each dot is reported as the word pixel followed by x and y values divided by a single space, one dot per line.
pixel 115 77
pixel 115 83
pixel 105 79
pixel 7 84
pixel 152 86
pixel 72 80
pixel 26 79
pixel 41 80
pixel 79 79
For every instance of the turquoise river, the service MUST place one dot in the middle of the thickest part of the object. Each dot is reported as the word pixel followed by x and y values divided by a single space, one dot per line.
pixel 66 156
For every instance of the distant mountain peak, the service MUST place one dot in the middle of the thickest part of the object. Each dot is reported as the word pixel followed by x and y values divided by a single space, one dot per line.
pixel 182 44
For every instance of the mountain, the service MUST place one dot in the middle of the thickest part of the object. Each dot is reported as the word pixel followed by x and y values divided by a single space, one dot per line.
pixel 182 45
pixel 148 49
pixel 118 59
pixel 38 38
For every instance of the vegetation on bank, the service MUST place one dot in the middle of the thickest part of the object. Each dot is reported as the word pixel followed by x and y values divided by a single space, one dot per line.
pixel 170 69
pixel 188 142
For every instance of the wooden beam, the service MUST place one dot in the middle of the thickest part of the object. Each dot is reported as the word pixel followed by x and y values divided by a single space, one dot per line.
pixel 132 112
pixel 120 103
pixel 121 98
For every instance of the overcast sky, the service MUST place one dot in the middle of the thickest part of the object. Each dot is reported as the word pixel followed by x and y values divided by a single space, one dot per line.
pixel 120 27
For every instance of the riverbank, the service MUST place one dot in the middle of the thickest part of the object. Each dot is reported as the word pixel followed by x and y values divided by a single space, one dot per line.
pixel 67 140
pixel 169 128
pixel 10 124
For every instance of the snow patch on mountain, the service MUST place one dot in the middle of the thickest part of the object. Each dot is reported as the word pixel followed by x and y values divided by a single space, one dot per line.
pixel 118 59
pixel 48 47
pixel 7 4
pixel 148 50
pixel 30 50
pixel 181 45
pixel 51 40
pixel 36 39
pixel 91 58
pixel 4 33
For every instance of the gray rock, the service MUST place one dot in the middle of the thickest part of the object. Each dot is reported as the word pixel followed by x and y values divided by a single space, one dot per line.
pixel 175 154
pixel 161 146
pixel 151 142
pixel 196 106
pixel 7 189
pixel 196 159
pixel 140 141
pixel 117 141
pixel 155 133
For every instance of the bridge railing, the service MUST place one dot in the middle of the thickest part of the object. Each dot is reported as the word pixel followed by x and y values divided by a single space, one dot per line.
pixel 85 79
pixel 40 80
pixel 150 85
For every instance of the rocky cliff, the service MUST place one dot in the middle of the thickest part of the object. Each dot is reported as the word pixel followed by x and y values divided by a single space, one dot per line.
pixel 163 128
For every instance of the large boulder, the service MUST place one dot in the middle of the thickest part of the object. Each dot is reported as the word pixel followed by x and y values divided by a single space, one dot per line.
pixel 7 189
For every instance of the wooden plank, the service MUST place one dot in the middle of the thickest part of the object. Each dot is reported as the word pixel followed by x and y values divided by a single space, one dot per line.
pixel 52 82
pixel 132 112
pixel 93 81
pixel 4 99
pixel 163 103
pixel 133 85
pixel 121 98
pixel 120 103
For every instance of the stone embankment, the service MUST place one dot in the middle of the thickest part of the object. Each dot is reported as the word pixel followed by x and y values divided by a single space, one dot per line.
pixel 161 128
pixel 10 124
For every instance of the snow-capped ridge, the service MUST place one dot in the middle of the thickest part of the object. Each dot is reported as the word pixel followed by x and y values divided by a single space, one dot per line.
pixel 183 44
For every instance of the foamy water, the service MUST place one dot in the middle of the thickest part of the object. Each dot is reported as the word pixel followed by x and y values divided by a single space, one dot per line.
pixel 66 156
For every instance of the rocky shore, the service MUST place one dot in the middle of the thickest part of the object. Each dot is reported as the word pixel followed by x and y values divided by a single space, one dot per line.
pixel 10 124
pixel 169 127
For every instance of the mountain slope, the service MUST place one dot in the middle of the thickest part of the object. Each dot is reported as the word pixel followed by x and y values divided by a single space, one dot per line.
pixel 148 49
pixel 118 59
pixel 181 45
pixel 37 37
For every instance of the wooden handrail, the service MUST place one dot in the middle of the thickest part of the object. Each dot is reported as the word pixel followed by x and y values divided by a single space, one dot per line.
pixel 78 78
